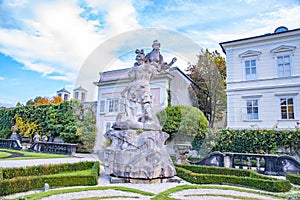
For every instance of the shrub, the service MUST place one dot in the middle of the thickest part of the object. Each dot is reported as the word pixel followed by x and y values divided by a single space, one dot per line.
pixel 182 119
pixel 36 177
pixel 9 173
pixel 215 175
pixel 293 178
pixel 249 140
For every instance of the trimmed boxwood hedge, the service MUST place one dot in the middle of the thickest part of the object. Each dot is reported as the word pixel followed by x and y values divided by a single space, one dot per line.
pixel 218 175
pixel 9 173
pixel 293 178
pixel 40 176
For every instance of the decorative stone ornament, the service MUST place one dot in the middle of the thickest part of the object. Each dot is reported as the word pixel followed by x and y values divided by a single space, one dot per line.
pixel 137 151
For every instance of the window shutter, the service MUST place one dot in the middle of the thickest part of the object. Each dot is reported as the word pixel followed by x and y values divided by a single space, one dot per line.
pixel 122 105
pixel 102 106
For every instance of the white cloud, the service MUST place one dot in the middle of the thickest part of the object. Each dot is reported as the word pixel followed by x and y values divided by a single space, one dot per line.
pixel 121 15
pixel 55 39
pixel 2 78
pixel 5 103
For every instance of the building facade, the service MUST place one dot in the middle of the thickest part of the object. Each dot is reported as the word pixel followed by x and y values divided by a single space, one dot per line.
pixel 263 80
pixel 173 85
pixel 80 94
pixel 64 94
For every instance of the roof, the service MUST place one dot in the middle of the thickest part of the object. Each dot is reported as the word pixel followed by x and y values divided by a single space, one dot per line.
pixel 185 75
pixel 122 73
pixel 63 90
pixel 80 89
pixel 259 36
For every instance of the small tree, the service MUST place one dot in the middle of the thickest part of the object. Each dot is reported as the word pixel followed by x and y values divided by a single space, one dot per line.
pixel 185 120
pixel 210 76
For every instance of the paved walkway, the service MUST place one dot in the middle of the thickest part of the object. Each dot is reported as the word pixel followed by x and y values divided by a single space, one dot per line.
pixel 22 163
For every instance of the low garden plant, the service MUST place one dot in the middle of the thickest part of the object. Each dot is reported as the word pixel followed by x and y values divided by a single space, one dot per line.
pixel 217 175
pixel 14 180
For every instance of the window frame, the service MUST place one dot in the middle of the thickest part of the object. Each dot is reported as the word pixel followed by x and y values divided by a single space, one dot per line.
pixel 250 67
pixel 277 65
pixel 252 114
pixel 287 105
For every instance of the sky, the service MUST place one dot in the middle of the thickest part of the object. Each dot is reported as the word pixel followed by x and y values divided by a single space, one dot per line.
pixel 45 44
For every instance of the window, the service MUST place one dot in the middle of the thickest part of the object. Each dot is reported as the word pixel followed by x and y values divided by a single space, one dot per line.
pixel 102 106
pixel 287 108
pixel 76 95
pixel 250 69
pixel 284 65
pixel 83 97
pixel 66 97
pixel 252 109
pixel 283 57
pixel 108 126
pixel 115 105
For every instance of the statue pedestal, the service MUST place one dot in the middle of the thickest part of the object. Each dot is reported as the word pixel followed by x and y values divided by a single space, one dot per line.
pixel 137 155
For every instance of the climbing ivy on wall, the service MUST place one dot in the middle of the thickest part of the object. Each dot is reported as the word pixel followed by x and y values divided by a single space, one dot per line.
pixel 59 120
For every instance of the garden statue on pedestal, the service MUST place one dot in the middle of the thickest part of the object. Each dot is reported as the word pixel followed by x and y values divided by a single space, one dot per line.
pixel 137 149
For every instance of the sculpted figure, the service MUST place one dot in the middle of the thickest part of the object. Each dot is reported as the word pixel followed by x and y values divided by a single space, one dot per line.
pixel 137 149
pixel 138 92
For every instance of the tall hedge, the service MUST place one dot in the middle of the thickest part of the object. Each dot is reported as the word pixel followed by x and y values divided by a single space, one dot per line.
pixel 255 141
pixel 55 119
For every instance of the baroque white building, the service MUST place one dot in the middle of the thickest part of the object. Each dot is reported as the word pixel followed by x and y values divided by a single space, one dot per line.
pixel 263 80
pixel 173 85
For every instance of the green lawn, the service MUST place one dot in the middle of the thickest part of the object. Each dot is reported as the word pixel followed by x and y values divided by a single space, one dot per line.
pixel 28 155
pixel 4 154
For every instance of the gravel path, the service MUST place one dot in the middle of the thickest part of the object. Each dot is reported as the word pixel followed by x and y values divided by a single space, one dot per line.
pixel 196 194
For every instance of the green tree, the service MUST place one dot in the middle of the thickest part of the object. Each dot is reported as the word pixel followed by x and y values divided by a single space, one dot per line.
pixel 210 76
pixel 178 120
pixel 86 129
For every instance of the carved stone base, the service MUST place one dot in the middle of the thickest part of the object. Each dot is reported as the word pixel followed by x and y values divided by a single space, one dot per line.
pixel 144 181
pixel 137 155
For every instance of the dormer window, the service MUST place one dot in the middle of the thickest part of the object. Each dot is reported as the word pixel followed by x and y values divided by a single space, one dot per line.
pixel 283 59
pixel 250 58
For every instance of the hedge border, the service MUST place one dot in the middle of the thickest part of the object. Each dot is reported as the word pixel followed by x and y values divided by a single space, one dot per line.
pixel 8 173
pixel 293 178
pixel 211 175
pixel 26 183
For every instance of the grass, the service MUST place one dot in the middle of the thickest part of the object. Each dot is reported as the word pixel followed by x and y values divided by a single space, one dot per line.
pixel 4 154
pixel 30 155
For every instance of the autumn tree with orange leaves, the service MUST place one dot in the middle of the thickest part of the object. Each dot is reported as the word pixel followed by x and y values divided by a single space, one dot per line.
pixel 210 76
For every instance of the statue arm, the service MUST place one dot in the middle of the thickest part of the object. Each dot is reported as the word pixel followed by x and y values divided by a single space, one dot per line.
pixel 166 66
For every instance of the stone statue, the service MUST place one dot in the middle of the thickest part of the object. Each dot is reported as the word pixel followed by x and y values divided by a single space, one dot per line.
pixel 137 149
pixel 44 138
pixel 36 137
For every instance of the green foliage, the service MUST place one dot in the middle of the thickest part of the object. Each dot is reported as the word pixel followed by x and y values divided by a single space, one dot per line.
pixel 29 178
pixel 205 141
pixel 6 120
pixel 257 141
pixel 210 76
pixel 182 119
pixel 215 175
pixel 293 178
pixel 59 120
pixel 86 129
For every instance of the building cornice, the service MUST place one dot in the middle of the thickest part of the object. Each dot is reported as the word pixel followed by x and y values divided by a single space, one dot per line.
pixel 264 37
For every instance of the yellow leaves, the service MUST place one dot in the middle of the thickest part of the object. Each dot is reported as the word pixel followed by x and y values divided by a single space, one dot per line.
pixel 24 127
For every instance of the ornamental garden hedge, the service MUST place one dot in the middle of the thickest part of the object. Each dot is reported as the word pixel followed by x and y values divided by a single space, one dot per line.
pixel 217 175
pixel 14 180
pixel 271 141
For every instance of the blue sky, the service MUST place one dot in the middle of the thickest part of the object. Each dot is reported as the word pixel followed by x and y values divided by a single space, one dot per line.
pixel 43 44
